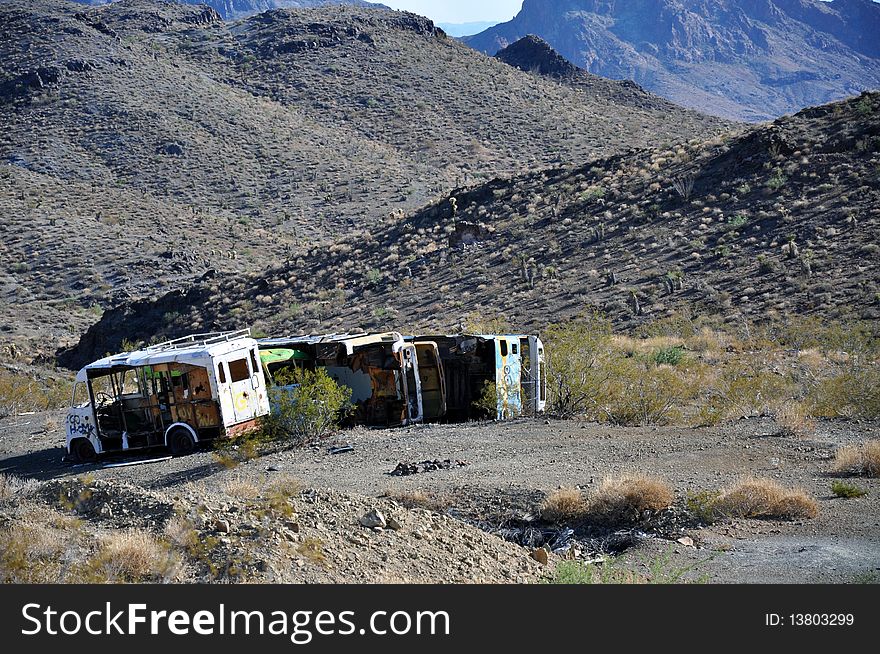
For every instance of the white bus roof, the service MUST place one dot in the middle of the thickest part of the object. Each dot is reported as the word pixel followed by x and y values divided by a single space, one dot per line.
pixel 351 341
pixel 190 349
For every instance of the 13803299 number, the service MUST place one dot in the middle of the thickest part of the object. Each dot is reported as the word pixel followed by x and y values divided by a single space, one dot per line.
pixel 821 619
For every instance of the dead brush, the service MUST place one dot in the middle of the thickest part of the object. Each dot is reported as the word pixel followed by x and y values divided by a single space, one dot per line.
pixel 240 489
pixel 858 459
pixel 11 486
pixel 419 499
pixel 564 505
pixel 626 499
pixel 794 420
pixel 312 549
pixel 765 498
pixel 131 557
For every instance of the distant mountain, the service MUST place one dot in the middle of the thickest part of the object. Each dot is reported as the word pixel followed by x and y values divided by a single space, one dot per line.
pixel 742 59
pixel 466 29
pixel 242 8
pixel 533 54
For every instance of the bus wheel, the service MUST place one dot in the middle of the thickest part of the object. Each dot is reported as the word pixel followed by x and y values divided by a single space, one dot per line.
pixel 181 442
pixel 84 451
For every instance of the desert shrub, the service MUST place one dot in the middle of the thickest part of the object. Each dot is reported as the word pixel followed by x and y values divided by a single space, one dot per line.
pixel 854 393
pixel 635 394
pixel 11 485
pixel 858 459
pixel 587 376
pixel 563 505
pixel 131 557
pixel 575 572
pixel 858 338
pixel 847 491
pixel 765 498
pixel 486 405
pixel 747 390
pixel 660 570
pixel 702 505
pixel 668 356
pixel 794 420
pixel 316 407
pixel 575 352
pixel 477 323
pixel 20 392
pixel 625 499
pixel 312 549
pixel 419 499
pixel 31 553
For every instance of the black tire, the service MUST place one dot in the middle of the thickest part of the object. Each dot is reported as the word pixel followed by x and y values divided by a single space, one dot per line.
pixel 181 442
pixel 83 451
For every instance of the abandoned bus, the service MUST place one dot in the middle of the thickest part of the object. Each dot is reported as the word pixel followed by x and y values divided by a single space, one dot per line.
pixel 513 364
pixel 382 371
pixel 176 395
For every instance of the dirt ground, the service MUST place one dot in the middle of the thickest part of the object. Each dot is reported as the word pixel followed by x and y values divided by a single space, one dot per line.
pixel 510 466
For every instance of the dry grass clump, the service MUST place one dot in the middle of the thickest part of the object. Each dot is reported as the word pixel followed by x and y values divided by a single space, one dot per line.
pixel 564 504
pixel 312 549
pixel 419 499
pixel 794 420
pixel 180 531
pixel 131 557
pixel 41 546
pixel 11 485
pixel 240 489
pixel 765 498
pixel 859 459
pixel 626 499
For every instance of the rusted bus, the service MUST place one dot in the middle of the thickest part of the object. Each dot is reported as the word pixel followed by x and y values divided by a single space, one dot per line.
pixel 513 365
pixel 380 369
pixel 174 394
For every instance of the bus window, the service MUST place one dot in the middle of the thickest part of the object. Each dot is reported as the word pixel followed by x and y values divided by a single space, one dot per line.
pixel 80 395
pixel 131 383
pixel 238 370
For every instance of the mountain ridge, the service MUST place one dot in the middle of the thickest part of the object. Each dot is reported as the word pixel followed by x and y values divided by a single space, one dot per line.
pixel 743 59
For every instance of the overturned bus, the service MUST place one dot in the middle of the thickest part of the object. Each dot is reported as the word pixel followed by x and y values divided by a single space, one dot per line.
pixel 175 394
pixel 393 382
pixel 397 380
pixel 512 365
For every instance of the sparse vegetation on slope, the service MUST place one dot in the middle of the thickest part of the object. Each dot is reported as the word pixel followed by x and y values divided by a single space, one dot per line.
pixel 171 145
pixel 614 235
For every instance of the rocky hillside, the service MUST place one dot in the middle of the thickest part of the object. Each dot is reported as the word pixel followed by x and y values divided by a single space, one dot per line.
pixel 231 530
pixel 744 59
pixel 241 8
pixel 780 220
pixel 147 144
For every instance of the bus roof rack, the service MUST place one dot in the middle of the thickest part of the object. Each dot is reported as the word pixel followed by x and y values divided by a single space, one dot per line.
pixel 199 340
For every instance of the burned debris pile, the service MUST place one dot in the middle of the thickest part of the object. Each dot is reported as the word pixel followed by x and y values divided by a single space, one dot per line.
pixel 407 469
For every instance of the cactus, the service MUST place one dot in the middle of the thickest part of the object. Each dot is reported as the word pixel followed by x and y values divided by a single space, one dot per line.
pixel 634 304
